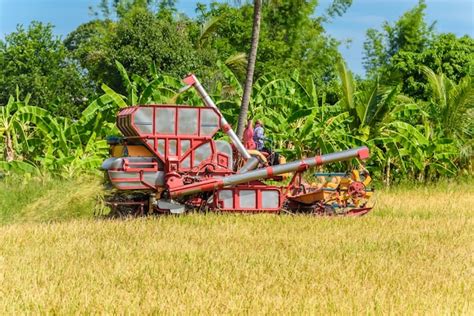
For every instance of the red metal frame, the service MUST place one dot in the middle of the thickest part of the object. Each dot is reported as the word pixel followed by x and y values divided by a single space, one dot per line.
pixel 258 187
pixel 126 123
pixel 141 183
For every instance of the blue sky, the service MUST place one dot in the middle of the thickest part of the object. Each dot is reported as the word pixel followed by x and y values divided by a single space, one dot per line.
pixel 456 16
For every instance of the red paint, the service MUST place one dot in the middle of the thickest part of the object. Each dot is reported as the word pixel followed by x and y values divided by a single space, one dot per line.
pixel 215 184
pixel 256 186
pixel 269 171
pixel 138 166
pixel 303 166
pixel 190 80
pixel 226 128
pixel 206 185
pixel 363 153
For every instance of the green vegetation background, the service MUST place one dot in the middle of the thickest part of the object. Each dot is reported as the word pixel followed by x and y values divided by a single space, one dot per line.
pixel 414 108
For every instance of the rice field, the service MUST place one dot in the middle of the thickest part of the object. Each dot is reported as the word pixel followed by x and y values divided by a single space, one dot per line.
pixel 412 255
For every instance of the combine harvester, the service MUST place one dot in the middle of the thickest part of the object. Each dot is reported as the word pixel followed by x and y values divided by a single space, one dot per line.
pixel 167 162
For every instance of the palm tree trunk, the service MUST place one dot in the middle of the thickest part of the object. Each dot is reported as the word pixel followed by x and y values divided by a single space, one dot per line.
pixel 244 107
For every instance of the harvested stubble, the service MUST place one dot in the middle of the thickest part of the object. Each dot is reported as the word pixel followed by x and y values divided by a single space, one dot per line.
pixel 413 254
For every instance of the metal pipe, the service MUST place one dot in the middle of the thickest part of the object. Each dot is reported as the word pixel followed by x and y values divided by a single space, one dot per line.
pixel 191 80
pixel 251 164
pixel 330 174
pixel 264 173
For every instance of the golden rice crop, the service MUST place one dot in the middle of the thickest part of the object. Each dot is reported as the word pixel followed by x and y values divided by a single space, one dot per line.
pixel 412 254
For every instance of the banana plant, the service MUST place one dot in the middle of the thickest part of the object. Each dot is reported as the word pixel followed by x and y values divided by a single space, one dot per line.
pixel 368 107
pixel 451 109
pixel 422 140
pixel 295 118
pixel 70 147
pixel 15 119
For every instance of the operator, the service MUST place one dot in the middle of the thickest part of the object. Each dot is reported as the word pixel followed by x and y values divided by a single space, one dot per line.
pixel 259 135
pixel 248 136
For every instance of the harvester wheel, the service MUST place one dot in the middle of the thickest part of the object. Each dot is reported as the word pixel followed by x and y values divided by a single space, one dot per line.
pixel 128 210
pixel 329 210
pixel 127 206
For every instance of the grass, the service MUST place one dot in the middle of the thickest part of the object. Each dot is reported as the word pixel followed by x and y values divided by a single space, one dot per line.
pixel 46 200
pixel 412 255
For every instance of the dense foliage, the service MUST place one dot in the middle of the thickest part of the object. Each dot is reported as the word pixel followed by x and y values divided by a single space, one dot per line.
pixel 397 52
pixel 38 63
pixel 414 109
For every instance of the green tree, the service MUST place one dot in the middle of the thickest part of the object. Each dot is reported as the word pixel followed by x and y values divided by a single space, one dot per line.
pixel 337 8
pixel 445 54
pixel 396 53
pixel 142 39
pixel 88 44
pixel 15 119
pixel 38 63
pixel 139 38
pixel 291 37
pixel 409 34
pixel 119 8
pixel 370 106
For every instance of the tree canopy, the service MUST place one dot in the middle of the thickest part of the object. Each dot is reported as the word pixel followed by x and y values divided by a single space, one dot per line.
pixel 34 61
pixel 397 52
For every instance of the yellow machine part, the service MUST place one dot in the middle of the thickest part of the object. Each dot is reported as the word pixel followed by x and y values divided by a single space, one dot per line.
pixel 130 150
pixel 259 155
pixel 342 184
pixel 367 180
pixel 282 160
pixel 355 175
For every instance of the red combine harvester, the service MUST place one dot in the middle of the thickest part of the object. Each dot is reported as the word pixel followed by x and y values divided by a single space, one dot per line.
pixel 168 162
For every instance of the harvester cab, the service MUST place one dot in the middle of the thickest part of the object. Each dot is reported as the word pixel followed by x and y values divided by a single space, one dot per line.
pixel 167 161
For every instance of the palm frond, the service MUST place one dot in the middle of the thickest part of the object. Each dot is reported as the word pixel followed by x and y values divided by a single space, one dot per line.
pixel 237 63
pixel 207 29
pixel 436 83
pixel 347 84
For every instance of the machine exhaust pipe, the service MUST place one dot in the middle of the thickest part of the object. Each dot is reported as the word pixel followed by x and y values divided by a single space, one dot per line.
pixel 361 153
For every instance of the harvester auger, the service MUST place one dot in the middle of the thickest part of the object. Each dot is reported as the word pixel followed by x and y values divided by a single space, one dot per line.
pixel 168 162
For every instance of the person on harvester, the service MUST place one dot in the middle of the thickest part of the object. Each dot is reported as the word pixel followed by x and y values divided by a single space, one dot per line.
pixel 254 142
pixel 259 135
pixel 248 136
